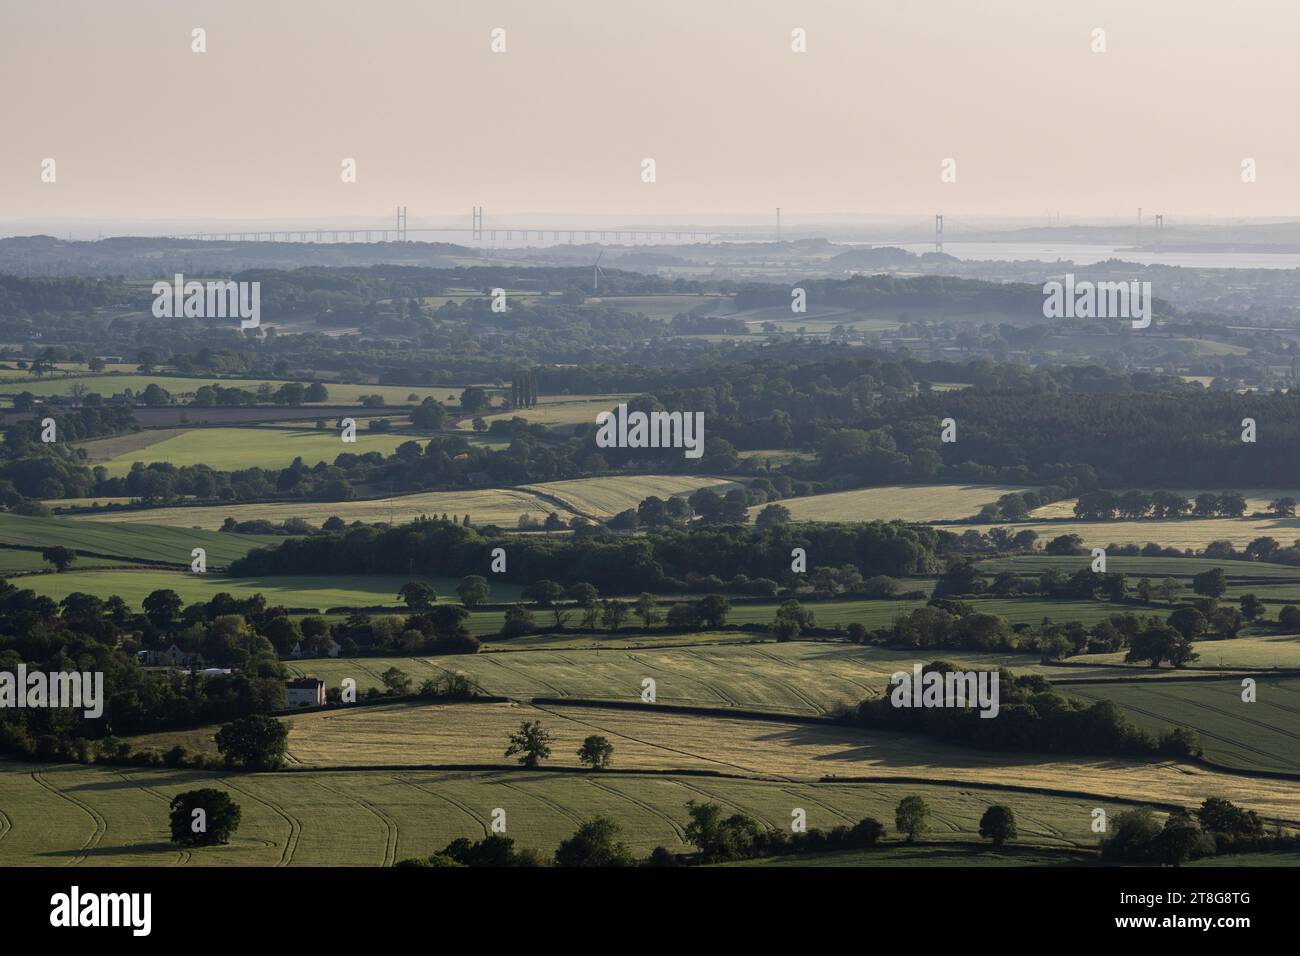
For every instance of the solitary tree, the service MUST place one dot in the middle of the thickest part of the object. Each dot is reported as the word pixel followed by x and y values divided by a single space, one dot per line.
pixel 203 817
pixel 62 558
pixel 595 752
pixel 998 824
pixel 912 817
pixel 530 743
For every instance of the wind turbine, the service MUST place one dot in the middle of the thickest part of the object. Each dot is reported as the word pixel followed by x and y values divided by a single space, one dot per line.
pixel 596 273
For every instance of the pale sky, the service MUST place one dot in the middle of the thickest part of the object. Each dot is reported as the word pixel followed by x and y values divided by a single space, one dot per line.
pixel 141 127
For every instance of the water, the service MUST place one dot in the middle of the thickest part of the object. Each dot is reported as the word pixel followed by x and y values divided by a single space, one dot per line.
pixel 1084 254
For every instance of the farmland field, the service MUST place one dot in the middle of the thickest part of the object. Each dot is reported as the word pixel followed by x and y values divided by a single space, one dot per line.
pixel 905 502
pixel 1263 651
pixel 312 592
pixel 1140 567
pixel 606 497
pixel 556 410
pixel 501 506
pixel 134 540
pixel 64 815
pixel 881 613
pixel 1169 532
pixel 15 561
pixel 416 735
pixel 1263 735
pixel 231 449
pixel 1257 499
pixel 809 678
pixel 181 387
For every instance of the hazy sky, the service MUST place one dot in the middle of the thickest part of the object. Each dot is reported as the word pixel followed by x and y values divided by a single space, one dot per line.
pixel 141 127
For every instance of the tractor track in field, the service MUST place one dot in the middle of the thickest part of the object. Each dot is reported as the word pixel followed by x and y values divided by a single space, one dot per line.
pixel 725 802
pixel 295 825
pixel 6 825
pixel 391 832
pixel 790 688
pixel 494 658
pixel 182 855
pixel 648 808
pixel 1214 709
pixel 454 673
pixel 707 685
pixel 1237 744
pixel 546 801
pixel 684 753
pixel 487 830
pixel 802 665
pixel 101 825
pixel 808 798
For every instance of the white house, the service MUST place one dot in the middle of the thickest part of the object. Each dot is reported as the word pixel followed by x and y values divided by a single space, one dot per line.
pixel 306 692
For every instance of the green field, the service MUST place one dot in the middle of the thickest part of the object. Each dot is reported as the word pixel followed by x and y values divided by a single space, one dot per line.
pixel 60 815
pixel 134 541
pixel 14 561
pixel 1263 735
pixel 231 449
pixel 1139 567
pixel 306 592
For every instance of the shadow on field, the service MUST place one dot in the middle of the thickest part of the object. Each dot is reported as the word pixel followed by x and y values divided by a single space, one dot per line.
pixel 110 851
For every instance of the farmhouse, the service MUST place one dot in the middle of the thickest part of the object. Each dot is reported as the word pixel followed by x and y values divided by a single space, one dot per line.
pixel 306 692
pixel 332 649
pixel 171 657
